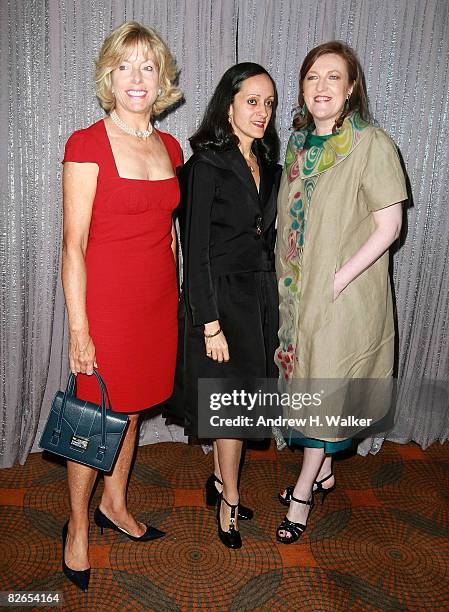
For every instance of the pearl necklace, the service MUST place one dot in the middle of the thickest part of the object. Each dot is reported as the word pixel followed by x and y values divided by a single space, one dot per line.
pixel 142 134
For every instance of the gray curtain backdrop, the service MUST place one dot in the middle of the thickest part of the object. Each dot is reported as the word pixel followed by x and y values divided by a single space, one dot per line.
pixel 47 49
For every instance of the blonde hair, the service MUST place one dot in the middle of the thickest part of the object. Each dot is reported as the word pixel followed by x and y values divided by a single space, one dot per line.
pixel 116 48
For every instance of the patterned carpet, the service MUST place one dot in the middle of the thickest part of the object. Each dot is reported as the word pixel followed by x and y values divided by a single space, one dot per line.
pixel 380 542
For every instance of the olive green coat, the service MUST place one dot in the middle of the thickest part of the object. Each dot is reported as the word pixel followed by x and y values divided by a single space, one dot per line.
pixel 325 205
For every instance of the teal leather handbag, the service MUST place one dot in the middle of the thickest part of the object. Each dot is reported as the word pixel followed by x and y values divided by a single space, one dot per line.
pixel 84 432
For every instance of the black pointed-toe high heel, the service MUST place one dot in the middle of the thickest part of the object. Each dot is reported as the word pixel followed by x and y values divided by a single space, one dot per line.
pixel 294 529
pixel 104 522
pixel 80 578
pixel 230 538
pixel 285 499
pixel 213 495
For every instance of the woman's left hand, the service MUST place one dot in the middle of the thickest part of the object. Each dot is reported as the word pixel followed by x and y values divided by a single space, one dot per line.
pixel 217 348
pixel 339 285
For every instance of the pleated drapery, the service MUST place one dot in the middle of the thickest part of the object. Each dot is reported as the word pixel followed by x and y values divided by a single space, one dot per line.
pixel 47 49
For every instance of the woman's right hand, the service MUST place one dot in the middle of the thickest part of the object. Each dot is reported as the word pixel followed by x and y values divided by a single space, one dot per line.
pixel 79 187
pixel 82 353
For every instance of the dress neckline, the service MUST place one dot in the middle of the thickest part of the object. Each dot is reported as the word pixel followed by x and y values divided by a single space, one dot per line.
pixel 125 178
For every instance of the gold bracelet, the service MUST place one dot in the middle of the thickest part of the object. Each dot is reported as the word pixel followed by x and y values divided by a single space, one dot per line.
pixel 214 334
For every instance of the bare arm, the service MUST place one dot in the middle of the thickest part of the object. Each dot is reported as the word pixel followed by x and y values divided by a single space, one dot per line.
pixel 79 186
pixel 388 226
pixel 174 242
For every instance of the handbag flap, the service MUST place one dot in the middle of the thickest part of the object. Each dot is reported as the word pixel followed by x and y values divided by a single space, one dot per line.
pixel 84 418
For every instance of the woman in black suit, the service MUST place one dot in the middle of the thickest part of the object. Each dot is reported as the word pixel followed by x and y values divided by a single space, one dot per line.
pixel 229 189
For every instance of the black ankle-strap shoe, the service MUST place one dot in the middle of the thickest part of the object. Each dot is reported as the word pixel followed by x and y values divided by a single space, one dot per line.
pixel 212 496
pixel 230 538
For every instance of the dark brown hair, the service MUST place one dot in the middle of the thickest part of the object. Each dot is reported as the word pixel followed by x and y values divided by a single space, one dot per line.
pixel 359 98
pixel 215 131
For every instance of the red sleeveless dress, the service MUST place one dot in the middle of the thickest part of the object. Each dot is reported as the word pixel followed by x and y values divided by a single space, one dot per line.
pixel 131 292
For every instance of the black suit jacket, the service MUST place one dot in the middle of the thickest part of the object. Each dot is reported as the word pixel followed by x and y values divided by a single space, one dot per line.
pixel 227 227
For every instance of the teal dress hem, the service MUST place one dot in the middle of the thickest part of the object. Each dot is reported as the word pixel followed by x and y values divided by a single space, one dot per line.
pixel 295 438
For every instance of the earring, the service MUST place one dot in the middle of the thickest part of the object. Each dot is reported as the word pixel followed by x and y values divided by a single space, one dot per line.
pixel 159 91
pixel 344 112
pixel 113 92
pixel 303 111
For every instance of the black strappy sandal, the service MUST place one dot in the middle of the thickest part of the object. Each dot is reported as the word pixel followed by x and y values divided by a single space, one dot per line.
pixel 294 529
pixel 321 489
pixel 285 499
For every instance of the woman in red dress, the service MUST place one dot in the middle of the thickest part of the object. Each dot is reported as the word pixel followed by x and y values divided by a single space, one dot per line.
pixel 119 266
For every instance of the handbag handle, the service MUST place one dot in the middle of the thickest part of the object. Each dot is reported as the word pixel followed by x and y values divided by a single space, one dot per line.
pixel 69 392
pixel 70 389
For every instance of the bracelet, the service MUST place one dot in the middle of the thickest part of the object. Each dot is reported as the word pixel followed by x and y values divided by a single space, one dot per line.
pixel 214 334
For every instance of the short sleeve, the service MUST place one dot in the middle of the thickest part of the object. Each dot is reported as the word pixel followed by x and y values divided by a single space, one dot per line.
pixel 78 148
pixel 383 181
pixel 178 155
pixel 173 149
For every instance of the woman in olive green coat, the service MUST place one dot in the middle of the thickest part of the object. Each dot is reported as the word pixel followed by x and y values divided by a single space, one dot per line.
pixel 339 210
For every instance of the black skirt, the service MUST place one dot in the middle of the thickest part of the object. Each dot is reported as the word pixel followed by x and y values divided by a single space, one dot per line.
pixel 249 316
